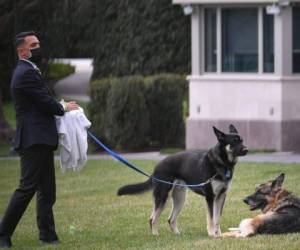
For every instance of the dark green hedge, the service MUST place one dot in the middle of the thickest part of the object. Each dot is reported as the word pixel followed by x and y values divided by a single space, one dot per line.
pixel 141 37
pixel 56 71
pixel 125 37
pixel 138 113
pixel 164 97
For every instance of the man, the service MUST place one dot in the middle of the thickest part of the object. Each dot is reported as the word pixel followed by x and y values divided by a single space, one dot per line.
pixel 36 139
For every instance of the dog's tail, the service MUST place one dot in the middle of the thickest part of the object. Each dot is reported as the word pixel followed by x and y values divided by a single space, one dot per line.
pixel 136 188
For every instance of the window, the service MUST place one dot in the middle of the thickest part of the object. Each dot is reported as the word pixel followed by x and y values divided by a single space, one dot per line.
pixel 296 40
pixel 232 38
pixel 268 40
pixel 239 40
pixel 210 40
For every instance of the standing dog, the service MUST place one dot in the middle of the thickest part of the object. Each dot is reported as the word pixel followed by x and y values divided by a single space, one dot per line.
pixel 281 211
pixel 193 167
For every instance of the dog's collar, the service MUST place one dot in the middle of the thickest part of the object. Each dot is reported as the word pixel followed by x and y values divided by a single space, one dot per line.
pixel 228 175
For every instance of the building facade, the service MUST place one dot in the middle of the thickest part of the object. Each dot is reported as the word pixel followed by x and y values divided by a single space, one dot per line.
pixel 245 71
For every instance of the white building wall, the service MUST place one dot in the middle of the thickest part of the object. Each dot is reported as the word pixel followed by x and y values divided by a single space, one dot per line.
pixel 235 98
pixel 264 107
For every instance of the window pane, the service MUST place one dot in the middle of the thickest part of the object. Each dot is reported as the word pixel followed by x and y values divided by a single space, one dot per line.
pixel 268 36
pixel 296 40
pixel 239 40
pixel 210 40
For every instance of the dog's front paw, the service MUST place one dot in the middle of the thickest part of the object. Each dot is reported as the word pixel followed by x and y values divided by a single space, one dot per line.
pixel 173 226
pixel 217 232
pixel 153 227
pixel 154 232
pixel 231 234
pixel 214 233
pixel 210 230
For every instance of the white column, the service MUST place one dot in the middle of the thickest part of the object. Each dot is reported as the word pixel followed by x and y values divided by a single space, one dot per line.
pixel 196 41
pixel 283 42
pixel 260 41
pixel 219 40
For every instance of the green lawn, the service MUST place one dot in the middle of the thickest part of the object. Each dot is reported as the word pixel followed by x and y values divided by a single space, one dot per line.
pixel 9 113
pixel 89 215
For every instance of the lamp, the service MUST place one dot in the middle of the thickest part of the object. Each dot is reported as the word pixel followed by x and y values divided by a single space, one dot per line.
pixel 273 9
pixel 187 9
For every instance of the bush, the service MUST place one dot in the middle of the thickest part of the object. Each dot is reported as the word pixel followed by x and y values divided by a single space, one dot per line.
pixel 99 90
pixel 141 37
pixel 135 113
pixel 127 115
pixel 164 97
pixel 56 71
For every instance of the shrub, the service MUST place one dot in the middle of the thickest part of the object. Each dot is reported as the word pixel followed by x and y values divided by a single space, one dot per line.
pixel 141 37
pixel 99 90
pixel 127 115
pixel 138 113
pixel 164 98
pixel 57 71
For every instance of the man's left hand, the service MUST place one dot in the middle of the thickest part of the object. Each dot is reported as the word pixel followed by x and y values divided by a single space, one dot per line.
pixel 71 106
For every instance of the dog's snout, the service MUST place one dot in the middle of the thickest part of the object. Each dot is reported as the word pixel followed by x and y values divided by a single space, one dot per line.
pixel 246 200
pixel 244 150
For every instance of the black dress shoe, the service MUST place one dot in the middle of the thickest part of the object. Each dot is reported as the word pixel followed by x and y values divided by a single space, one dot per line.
pixel 5 242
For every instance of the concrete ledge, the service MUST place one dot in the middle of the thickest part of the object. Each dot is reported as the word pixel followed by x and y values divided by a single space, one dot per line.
pixel 271 135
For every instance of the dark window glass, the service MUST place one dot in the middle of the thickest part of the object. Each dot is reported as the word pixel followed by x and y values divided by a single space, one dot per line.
pixel 239 40
pixel 296 39
pixel 210 40
pixel 268 38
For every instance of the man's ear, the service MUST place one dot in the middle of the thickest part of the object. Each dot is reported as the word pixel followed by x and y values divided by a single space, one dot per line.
pixel 277 183
pixel 232 129
pixel 219 134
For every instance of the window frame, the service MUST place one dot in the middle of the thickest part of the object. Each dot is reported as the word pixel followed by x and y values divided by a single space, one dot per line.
pixel 260 37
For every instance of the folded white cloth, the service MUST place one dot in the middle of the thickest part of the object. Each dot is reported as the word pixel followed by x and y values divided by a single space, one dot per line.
pixel 72 130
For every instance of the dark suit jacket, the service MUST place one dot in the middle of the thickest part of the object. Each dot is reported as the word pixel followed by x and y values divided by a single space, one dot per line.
pixel 35 108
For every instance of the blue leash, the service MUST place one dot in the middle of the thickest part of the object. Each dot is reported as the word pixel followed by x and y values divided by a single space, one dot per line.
pixel 124 161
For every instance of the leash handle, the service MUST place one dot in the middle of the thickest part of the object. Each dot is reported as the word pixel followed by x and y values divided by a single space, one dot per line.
pixel 130 165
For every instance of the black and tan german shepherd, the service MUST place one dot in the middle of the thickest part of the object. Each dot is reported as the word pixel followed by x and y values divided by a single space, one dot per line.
pixel 193 167
pixel 280 211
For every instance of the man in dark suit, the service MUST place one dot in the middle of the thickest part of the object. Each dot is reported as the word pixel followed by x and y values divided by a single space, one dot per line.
pixel 36 139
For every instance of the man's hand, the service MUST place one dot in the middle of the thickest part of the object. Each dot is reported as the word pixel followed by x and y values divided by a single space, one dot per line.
pixel 71 106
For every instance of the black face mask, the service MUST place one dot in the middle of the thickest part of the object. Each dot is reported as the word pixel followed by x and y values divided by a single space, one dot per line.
pixel 36 55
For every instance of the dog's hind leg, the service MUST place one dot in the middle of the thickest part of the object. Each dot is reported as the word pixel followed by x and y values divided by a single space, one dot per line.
pixel 178 198
pixel 160 199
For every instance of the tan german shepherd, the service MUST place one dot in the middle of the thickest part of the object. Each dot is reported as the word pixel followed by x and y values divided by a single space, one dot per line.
pixel 280 211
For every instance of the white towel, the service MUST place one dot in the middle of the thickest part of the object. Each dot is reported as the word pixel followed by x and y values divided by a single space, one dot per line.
pixel 72 130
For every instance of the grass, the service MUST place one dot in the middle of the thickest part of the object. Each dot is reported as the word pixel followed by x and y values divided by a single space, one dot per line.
pixel 171 150
pixel 9 114
pixel 4 149
pixel 89 215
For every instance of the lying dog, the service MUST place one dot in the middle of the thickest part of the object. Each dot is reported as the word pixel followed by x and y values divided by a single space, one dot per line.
pixel 193 167
pixel 281 211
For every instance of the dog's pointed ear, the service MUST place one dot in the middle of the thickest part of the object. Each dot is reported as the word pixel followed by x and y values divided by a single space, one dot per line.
pixel 219 134
pixel 277 183
pixel 232 129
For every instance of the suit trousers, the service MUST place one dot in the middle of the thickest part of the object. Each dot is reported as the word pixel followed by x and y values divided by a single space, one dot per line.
pixel 37 176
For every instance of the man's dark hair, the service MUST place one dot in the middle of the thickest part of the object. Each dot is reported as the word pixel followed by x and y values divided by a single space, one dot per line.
pixel 20 38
